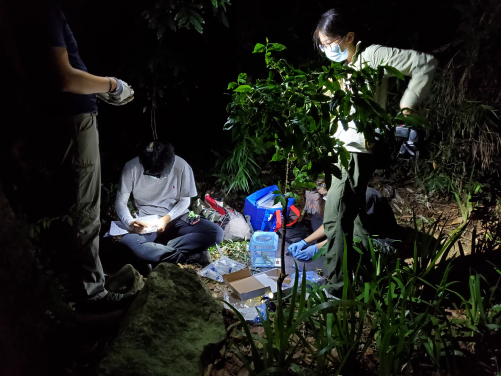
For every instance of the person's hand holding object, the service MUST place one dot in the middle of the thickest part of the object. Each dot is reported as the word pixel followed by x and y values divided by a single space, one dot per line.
pixel 294 248
pixel 122 95
pixel 163 222
pixel 137 226
pixel 307 254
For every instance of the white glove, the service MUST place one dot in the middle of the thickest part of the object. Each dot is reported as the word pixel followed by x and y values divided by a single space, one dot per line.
pixel 122 95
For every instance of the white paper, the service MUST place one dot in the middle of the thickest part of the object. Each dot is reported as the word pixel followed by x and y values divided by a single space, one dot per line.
pixel 118 228
pixel 267 281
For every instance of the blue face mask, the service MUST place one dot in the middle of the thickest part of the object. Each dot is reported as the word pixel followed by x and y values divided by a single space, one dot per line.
pixel 334 53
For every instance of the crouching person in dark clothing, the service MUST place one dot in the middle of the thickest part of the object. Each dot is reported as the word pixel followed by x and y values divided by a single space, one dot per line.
pixel 162 184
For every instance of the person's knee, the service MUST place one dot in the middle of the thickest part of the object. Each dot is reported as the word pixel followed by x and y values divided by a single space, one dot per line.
pixel 125 238
pixel 219 234
pixel 215 233
pixel 132 241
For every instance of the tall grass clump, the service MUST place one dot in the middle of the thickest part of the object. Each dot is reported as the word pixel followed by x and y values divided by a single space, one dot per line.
pixel 400 311
pixel 464 106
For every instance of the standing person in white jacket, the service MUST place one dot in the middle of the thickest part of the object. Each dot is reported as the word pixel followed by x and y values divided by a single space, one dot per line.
pixel 337 37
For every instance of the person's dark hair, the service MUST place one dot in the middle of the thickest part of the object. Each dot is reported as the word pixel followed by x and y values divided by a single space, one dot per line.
pixel 321 201
pixel 336 23
pixel 156 157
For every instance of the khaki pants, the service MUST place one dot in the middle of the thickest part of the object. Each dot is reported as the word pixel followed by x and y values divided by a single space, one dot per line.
pixel 82 156
pixel 345 214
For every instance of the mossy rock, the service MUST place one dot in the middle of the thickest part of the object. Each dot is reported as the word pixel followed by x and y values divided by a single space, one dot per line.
pixel 126 281
pixel 167 328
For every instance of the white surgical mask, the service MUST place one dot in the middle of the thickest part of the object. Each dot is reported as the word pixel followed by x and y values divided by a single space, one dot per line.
pixel 334 53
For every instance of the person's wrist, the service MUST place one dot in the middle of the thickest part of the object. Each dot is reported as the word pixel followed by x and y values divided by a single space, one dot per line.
pixel 406 110
pixel 119 87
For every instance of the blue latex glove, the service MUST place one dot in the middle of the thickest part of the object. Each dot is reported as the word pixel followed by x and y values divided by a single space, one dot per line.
pixel 294 248
pixel 307 254
pixel 120 87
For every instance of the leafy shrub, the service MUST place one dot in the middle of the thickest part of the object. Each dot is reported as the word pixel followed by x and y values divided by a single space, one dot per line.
pixel 296 112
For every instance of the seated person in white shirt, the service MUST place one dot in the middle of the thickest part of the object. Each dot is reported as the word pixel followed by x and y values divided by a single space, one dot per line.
pixel 162 184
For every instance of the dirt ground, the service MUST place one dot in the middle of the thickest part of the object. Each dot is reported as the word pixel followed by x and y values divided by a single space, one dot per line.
pixel 408 201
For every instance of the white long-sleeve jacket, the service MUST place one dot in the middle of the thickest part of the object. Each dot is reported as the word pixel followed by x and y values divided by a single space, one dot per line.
pixel 419 66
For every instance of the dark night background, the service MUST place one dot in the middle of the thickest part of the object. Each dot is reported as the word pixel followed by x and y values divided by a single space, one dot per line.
pixel 194 70
pixel 115 40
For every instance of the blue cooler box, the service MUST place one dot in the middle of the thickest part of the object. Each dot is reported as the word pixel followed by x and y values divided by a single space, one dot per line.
pixel 263 249
pixel 260 217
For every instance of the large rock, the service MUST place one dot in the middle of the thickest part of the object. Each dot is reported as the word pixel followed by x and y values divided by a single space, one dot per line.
pixel 167 327
pixel 126 281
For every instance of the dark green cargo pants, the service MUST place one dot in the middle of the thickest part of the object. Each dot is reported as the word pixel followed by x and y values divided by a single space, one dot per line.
pixel 82 156
pixel 345 215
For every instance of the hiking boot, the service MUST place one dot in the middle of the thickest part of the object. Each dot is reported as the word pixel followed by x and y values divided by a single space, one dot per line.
pixel 107 301
pixel 385 245
pixel 113 296
pixel 203 258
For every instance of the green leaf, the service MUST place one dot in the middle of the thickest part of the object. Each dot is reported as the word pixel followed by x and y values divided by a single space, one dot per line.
pixel 224 20
pixel 231 85
pixel 322 251
pixel 298 147
pixel 345 157
pixel 275 47
pixel 197 16
pixel 181 13
pixel 298 370
pixel 412 119
pixel 394 72
pixel 242 78
pixel 259 48
pixel 70 221
pixel 336 172
pixel 160 32
pixel 243 88
pixel 196 23
pixel 321 98
pixel 278 156
pixel 171 24
pixel 183 21
pixel 347 105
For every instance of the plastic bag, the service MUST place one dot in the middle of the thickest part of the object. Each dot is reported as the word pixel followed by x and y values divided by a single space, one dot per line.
pixel 234 224
pixel 237 229
pixel 224 265
pixel 210 272
pixel 311 276
pixel 250 313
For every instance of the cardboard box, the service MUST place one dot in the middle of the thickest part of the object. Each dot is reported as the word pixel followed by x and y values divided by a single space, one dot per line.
pixel 247 286
pixel 270 277
pixel 244 285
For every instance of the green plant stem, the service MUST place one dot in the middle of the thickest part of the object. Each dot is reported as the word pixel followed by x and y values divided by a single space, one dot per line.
pixel 282 250
pixel 284 229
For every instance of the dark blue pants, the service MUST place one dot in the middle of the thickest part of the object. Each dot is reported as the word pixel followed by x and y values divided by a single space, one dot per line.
pixel 178 241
